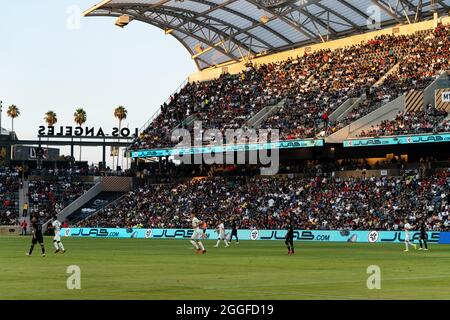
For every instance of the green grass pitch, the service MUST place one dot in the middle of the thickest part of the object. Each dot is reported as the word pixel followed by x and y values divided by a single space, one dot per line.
pixel 167 269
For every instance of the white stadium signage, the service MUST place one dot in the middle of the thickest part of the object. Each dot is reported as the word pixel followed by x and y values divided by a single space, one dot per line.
pixel 446 96
pixel 148 233
pixel 373 236
pixel 254 234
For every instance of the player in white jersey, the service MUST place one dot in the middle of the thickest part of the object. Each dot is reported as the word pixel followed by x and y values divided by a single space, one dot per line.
pixel 408 227
pixel 57 238
pixel 221 235
pixel 196 238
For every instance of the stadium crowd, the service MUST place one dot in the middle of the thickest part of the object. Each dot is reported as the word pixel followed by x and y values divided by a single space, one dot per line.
pixel 48 198
pixel 427 57
pixel 266 203
pixel 312 86
pixel 429 121
pixel 222 103
pixel 9 199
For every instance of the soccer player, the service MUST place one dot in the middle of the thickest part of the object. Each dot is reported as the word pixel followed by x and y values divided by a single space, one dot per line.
pixel 234 232
pixel 57 238
pixel 197 235
pixel 408 227
pixel 204 227
pixel 221 235
pixel 36 226
pixel 423 236
pixel 290 237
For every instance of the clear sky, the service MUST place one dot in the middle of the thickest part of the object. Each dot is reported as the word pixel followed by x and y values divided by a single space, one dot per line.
pixel 52 59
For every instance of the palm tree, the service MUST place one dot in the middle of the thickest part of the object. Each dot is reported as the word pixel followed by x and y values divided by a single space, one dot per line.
pixel 121 114
pixel 13 112
pixel 51 119
pixel 80 117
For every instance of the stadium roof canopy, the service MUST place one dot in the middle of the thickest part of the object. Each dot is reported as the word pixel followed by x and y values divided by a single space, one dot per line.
pixel 219 31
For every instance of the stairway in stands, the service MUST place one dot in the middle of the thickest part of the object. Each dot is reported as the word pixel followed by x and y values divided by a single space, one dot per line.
pixel 107 189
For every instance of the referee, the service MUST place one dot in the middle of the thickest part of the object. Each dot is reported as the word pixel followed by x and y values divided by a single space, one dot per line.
pixel 423 236
pixel 36 226
pixel 234 232
pixel 289 237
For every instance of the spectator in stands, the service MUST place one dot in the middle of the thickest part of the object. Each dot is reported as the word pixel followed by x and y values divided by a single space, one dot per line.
pixel 25 210
pixel 24 226
pixel 429 121
pixel 49 197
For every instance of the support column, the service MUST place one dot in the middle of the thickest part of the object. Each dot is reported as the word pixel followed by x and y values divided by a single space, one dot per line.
pixel 71 154
pixel 104 155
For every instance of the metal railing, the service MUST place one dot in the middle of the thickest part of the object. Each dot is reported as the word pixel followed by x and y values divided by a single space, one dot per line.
pixel 76 204
pixel 158 111
pixel 156 114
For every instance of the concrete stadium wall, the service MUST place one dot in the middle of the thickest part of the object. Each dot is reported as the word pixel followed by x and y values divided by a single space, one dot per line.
pixel 354 104
pixel 439 103
pixel 343 109
pixel 87 179
pixel 387 112
pixel 9 231
pixel 429 94
pixel 237 67
pixel 367 173
pixel 117 184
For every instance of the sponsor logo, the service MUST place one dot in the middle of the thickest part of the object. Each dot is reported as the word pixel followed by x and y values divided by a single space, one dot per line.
pixel 227 148
pixel 373 236
pixel 170 233
pixel 278 235
pixel 94 233
pixel 254 234
pixel 398 140
pixel 428 139
pixel 148 233
pixel 311 236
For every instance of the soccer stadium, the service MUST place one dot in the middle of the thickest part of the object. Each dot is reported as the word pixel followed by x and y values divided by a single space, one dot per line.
pixel 306 157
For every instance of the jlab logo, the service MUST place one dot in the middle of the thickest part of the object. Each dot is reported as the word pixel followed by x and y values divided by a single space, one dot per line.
pixel 92 233
pixel 148 233
pixel 254 234
pixel 67 232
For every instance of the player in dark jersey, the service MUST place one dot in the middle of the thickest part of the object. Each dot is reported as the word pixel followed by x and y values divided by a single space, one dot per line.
pixel 234 232
pixel 36 226
pixel 289 237
pixel 204 228
pixel 423 236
